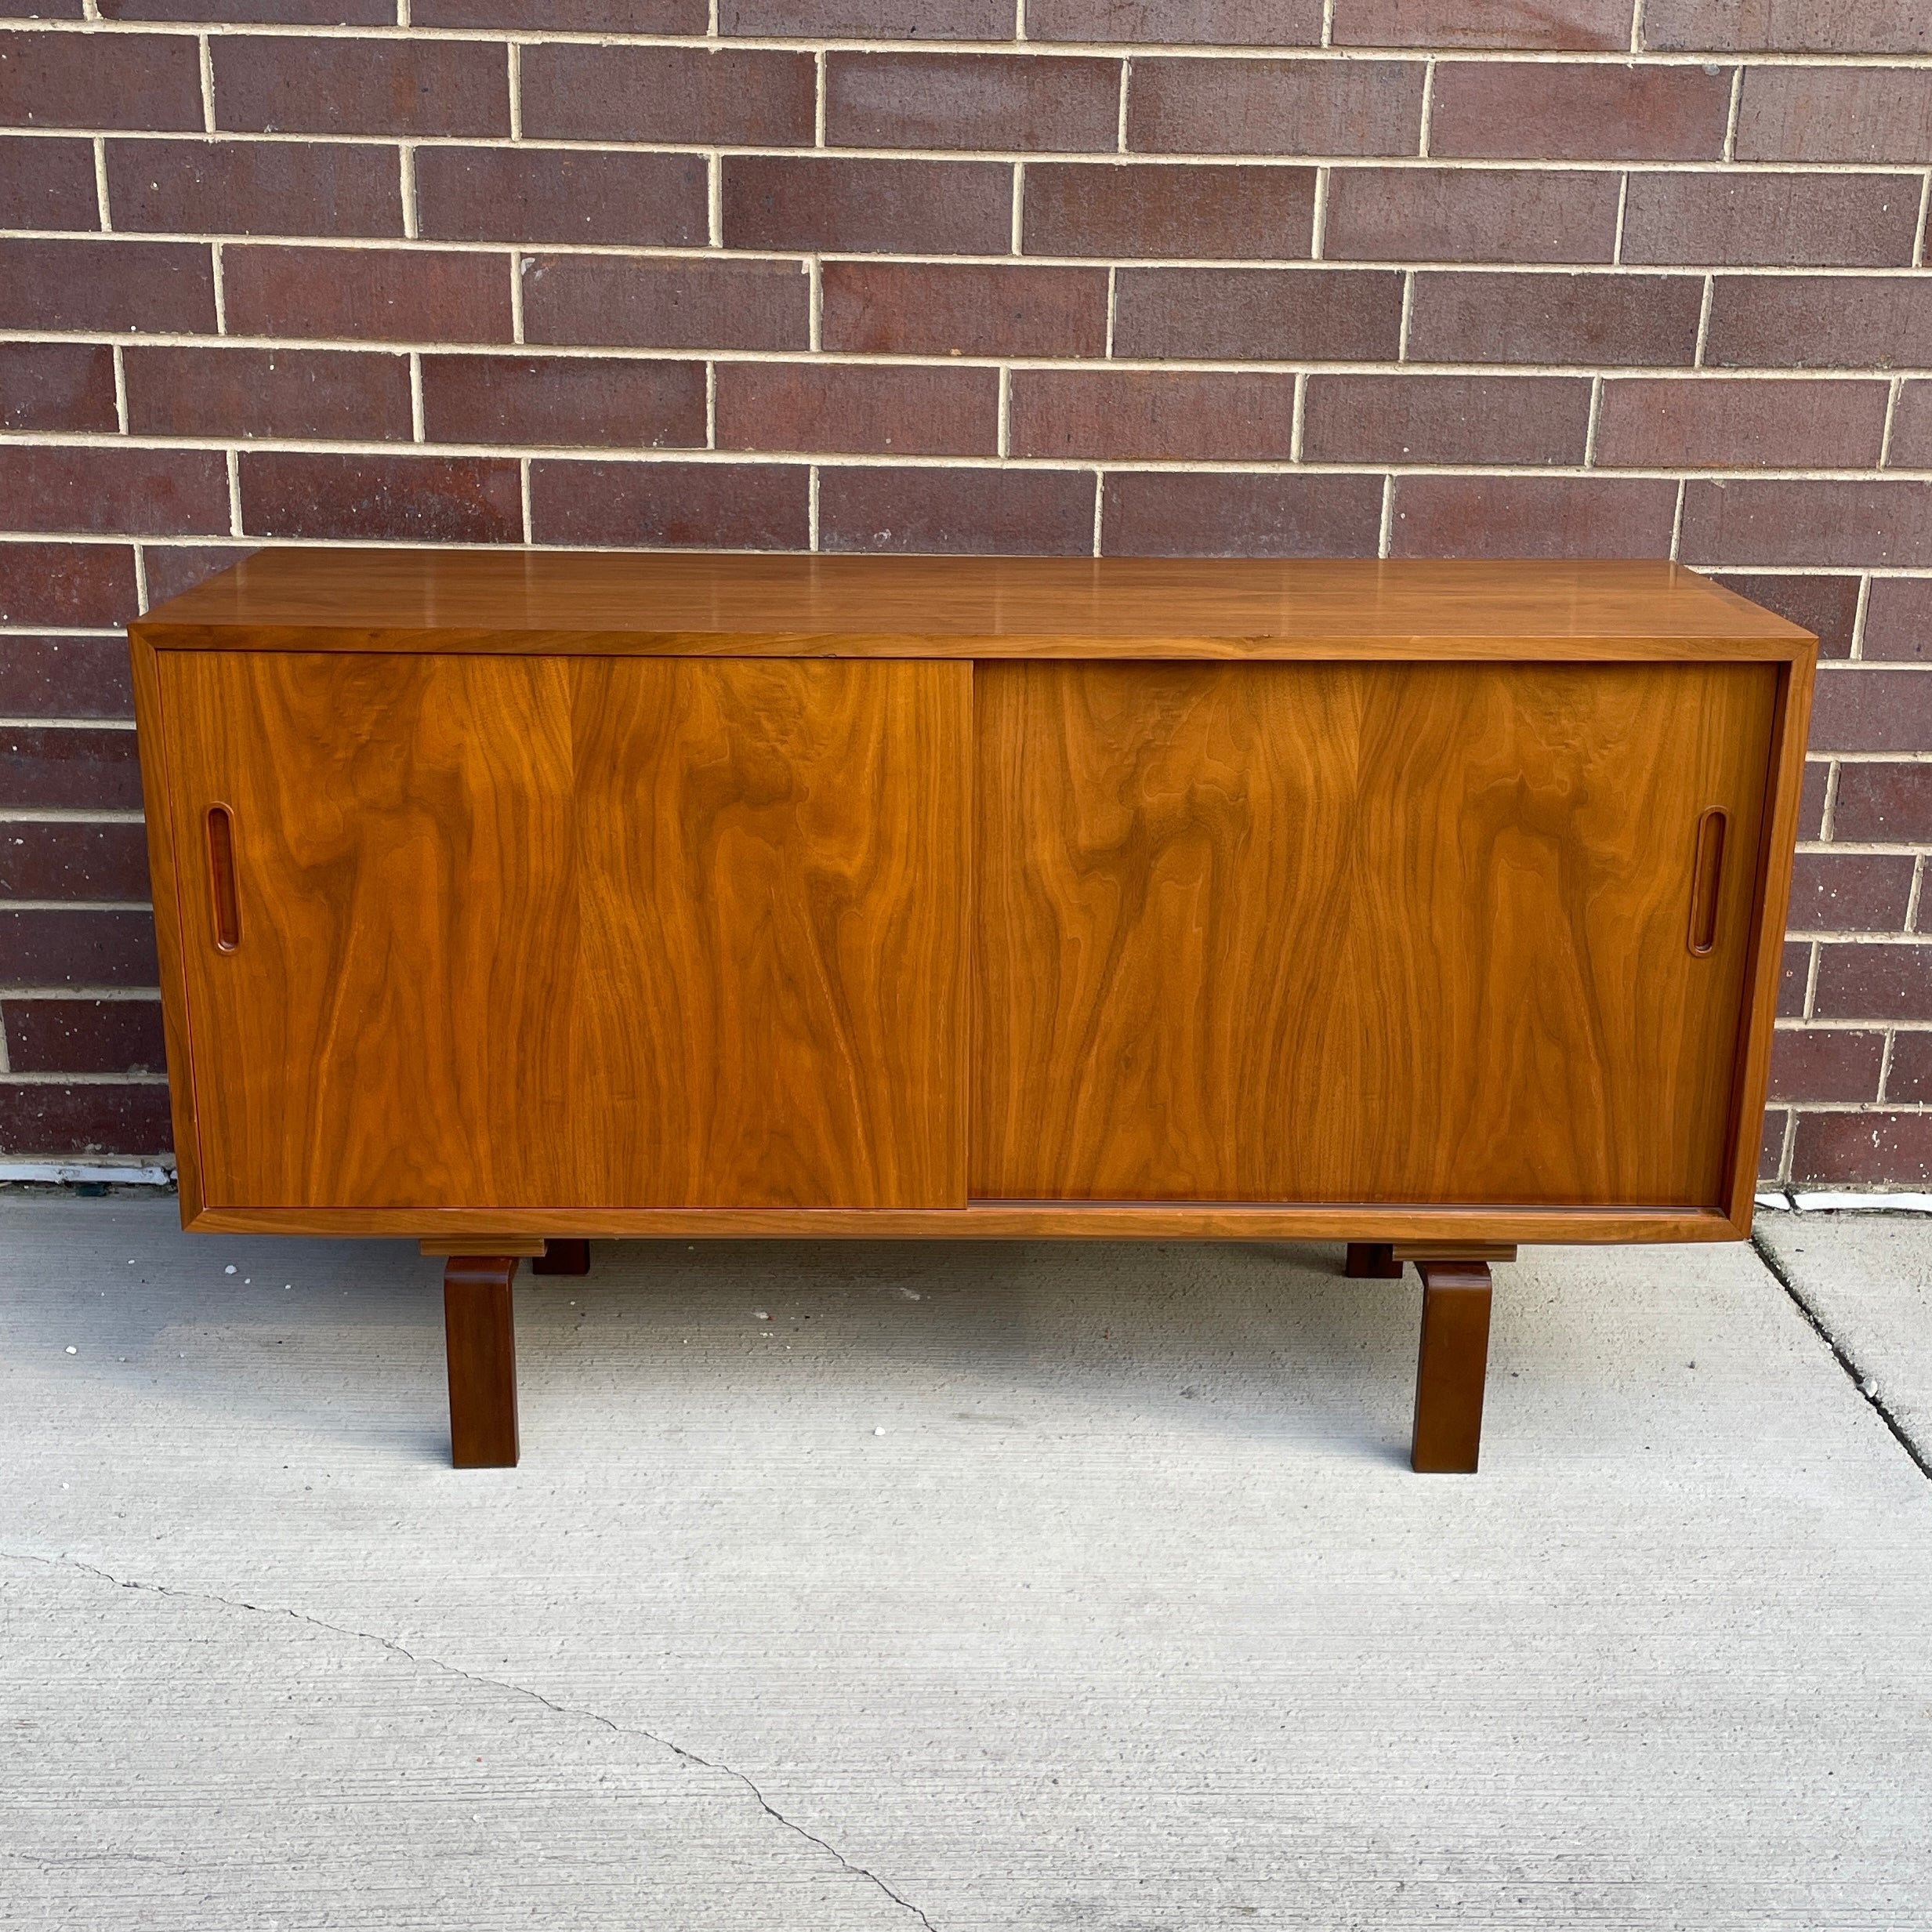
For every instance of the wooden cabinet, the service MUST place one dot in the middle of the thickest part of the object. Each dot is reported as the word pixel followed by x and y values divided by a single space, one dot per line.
pixel 508 898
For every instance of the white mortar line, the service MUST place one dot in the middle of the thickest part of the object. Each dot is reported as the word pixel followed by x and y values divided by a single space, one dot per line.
pixel 1019 205
pixel 515 75
pixel 1859 606
pixel 1120 131
pixel 1827 816
pixel 415 397
pixel 1729 151
pixel 121 390
pixel 100 185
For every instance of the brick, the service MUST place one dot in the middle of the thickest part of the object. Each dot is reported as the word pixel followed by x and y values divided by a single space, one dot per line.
pixel 1825 606
pixel 267 12
pixel 1863 1150
pixel 255 188
pixel 1820 322
pixel 1848 524
pixel 940 309
pixel 73 859
pixel 753 97
pixel 1531 516
pixel 174 568
pixel 1275 108
pixel 1853 709
pixel 868 206
pixel 1547 110
pixel 1470 215
pixel 1811 799
pixel 678 506
pixel 68 767
pixel 1617 321
pixel 47 183
pixel 66 584
pixel 870 19
pixel 287 86
pixel 1849 891
pixel 1910 1079
pixel 84 1035
pixel 561 194
pixel 1706 424
pixel 857 408
pixel 1152 209
pixel 413 499
pixel 1845 221
pixel 370 295
pixel 101 489
pixel 76 948
pixel 1879 979
pixel 1788 25
pixel 1563 25
pixel 1445 418
pixel 1259 314
pixel 598 401
pixel 565 16
pixel 1007 513
pixel 45 1120
pixel 146 81
pixel 1883 804
pixel 56 386
pixel 1898 620
pixel 1185 415
pixel 64 677
pixel 1771 1149
pixel 160 286
pixel 607 301
pixel 1190 23
pixel 42 10
pixel 239 392
pixel 967 100
pixel 1793 975
pixel 1912 428
pixel 1182 513
pixel 1835 114
pixel 1831 1064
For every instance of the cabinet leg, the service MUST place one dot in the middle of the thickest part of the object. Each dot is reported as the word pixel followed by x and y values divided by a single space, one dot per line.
pixel 1372 1261
pixel 1455 1359
pixel 481 1340
pixel 563 1257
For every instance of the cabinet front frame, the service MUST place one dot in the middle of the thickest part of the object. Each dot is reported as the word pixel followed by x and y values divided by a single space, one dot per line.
pixel 1023 1220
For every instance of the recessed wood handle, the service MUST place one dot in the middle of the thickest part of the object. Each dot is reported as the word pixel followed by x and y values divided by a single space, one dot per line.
pixel 1707 871
pixel 221 877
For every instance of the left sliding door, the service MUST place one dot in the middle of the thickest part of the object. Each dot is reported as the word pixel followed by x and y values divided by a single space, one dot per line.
pixel 490 931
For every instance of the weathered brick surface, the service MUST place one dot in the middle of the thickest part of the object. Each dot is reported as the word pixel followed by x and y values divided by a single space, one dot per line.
pixel 254 187
pixel 1161 277
pixel 1515 110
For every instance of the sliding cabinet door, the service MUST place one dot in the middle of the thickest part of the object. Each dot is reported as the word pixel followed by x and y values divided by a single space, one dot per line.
pixel 545 932
pixel 1363 933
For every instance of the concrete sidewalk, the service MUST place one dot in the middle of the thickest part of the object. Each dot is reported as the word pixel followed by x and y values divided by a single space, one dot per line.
pixel 1133 1617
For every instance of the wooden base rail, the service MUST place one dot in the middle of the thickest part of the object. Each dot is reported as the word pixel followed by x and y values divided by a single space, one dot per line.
pixel 479 1333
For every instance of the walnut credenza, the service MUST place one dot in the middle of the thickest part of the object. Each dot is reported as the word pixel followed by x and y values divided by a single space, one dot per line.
pixel 509 899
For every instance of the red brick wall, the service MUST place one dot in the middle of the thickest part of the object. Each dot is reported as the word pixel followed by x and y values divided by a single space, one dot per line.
pixel 1467 277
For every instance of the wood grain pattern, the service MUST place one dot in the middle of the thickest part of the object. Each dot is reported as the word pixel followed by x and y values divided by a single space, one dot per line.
pixel 1359 933
pixel 666 604
pixel 1055 1220
pixel 527 932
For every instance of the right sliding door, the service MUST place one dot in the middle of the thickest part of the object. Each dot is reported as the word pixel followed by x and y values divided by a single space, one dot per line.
pixel 1363 933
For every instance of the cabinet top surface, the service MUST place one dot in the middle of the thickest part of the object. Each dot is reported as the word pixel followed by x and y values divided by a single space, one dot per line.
pixel 713 603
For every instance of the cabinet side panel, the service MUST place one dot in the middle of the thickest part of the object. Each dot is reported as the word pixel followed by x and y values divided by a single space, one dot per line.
pixel 1363 934
pixel 156 808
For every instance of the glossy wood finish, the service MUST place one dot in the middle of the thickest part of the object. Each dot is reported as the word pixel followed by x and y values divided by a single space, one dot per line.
pixel 1452 1368
pixel 575 602
pixel 475 1228
pixel 524 932
pixel 1213 900
pixel 1371 1261
pixel 480 1336
pixel 563 1257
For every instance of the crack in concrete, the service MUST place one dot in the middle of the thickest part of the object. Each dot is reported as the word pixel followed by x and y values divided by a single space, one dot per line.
pixel 65 1561
pixel 1864 1383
